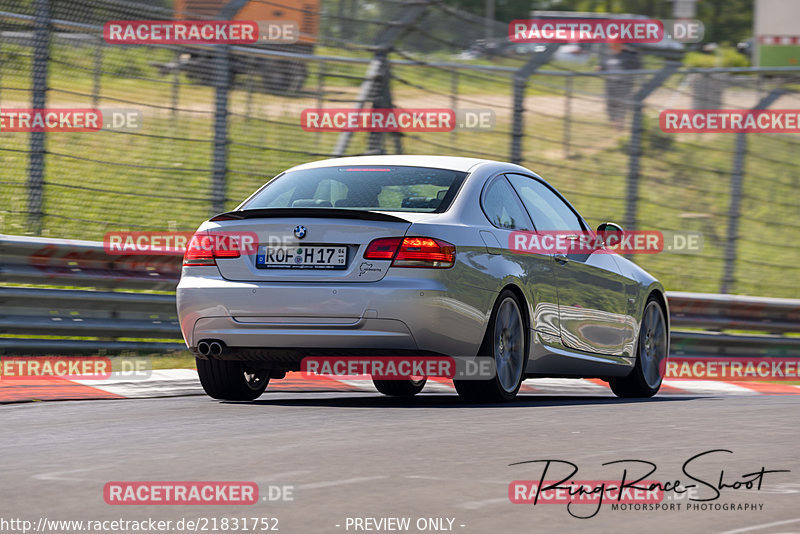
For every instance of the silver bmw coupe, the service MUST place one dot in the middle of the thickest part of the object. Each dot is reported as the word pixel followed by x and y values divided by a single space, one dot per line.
pixel 412 256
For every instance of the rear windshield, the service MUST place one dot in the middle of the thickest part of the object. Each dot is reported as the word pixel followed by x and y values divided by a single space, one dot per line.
pixel 392 188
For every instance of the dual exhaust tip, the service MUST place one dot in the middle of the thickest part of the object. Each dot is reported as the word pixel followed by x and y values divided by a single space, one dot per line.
pixel 211 347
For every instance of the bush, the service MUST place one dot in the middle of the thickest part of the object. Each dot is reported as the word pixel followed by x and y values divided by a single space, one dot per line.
pixel 724 56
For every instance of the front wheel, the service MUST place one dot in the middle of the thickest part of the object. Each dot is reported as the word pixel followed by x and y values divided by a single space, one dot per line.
pixel 400 388
pixel 231 380
pixel 651 356
pixel 505 342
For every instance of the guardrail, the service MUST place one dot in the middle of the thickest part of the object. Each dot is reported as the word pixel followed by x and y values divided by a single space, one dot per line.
pixel 765 320
pixel 102 319
pixel 113 317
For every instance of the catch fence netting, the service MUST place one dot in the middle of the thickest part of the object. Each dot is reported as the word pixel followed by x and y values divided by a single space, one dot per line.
pixel 216 122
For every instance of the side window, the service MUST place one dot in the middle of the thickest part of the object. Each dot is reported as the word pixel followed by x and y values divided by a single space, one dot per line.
pixel 502 207
pixel 546 208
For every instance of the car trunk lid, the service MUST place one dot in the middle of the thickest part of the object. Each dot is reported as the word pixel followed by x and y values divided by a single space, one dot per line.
pixel 307 244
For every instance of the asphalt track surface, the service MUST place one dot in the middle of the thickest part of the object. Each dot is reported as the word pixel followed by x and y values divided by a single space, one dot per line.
pixel 358 455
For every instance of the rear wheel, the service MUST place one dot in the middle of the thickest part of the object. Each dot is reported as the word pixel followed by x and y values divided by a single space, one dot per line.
pixel 283 76
pixel 400 388
pixel 505 342
pixel 651 356
pixel 231 380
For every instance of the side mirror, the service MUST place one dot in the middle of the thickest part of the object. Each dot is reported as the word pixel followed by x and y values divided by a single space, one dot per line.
pixel 609 227
pixel 610 233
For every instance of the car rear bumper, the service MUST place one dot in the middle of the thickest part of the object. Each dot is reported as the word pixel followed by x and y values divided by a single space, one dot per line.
pixel 269 320
pixel 362 333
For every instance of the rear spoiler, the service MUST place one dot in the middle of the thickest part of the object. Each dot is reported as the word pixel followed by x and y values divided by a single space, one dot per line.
pixel 319 213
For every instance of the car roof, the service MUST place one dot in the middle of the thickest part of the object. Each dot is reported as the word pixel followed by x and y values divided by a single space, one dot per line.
pixel 437 162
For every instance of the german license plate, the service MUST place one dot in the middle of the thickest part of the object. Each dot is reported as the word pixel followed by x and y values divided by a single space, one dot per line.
pixel 313 257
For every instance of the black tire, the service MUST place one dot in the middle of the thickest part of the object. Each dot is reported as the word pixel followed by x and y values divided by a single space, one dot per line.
pixel 283 77
pixel 494 389
pixel 200 70
pixel 400 388
pixel 230 380
pixel 652 349
pixel 297 77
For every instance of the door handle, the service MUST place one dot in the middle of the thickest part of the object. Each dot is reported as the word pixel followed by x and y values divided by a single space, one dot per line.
pixel 560 258
pixel 571 237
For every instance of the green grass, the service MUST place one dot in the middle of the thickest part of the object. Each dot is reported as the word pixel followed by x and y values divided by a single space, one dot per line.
pixel 172 360
pixel 159 178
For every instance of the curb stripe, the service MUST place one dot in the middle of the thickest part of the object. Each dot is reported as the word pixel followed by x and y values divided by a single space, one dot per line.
pixel 184 382
pixel 771 388
pixel 711 387
pixel 50 388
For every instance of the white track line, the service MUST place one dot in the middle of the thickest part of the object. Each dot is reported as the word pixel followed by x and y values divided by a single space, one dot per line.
pixel 340 482
pixel 362 385
pixel 761 526
pixel 712 387
pixel 160 383
pixel 566 386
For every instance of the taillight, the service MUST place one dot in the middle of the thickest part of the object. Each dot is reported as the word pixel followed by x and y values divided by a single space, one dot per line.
pixel 425 252
pixel 203 249
pixel 413 252
pixel 383 248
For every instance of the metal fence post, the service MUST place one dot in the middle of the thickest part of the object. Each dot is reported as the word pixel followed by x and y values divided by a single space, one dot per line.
pixel 737 176
pixel 635 144
pixel 222 83
pixel 1 69
pixel 41 52
pixel 364 93
pixel 517 122
pixel 381 99
pixel 98 69
pixel 220 162
pixel 454 100
pixel 378 70
pixel 567 115
pixel 520 83
pixel 176 84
